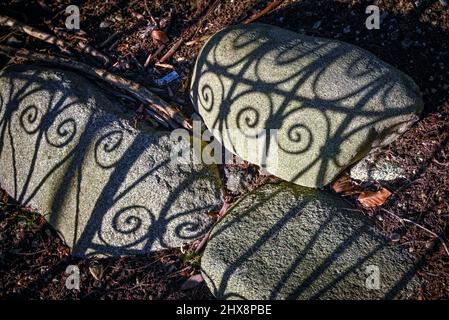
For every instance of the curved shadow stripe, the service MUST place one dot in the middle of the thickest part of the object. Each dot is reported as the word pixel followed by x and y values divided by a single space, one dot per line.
pixel 109 188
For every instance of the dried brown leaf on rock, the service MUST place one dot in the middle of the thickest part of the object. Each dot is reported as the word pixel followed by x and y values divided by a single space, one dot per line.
pixel 192 282
pixel 372 199
pixel 159 36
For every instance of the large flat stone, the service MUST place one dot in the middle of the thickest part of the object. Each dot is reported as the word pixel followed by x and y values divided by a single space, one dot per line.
pixel 108 187
pixel 290 242
pixel 330 102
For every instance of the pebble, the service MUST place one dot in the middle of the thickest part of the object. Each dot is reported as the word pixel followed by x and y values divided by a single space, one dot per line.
pixel 316 25
pixel 13 41
pixel 406 43
pixel 395 237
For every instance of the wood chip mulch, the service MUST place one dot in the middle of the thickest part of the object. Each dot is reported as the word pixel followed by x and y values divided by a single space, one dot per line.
pixel 33 259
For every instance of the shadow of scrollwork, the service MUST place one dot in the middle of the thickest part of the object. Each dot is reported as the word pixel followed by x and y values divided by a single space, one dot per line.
pixel 248 83
pixel 320 96
pixel 109 188
pixel 274 266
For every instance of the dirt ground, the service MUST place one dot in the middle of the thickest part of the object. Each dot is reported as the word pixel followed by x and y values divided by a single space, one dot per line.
pixel 413 38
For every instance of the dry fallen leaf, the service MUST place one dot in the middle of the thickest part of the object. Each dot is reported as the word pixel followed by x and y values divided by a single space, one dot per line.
pixel 96 270
pixel 192 282
pixel 345 185
pixel 159 36
pixel 372 199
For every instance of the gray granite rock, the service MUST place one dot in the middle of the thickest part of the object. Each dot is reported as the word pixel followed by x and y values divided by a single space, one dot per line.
pixel 377 169
pixel 328 103
pixel 289 242
pixel 110 188
pixel 239 180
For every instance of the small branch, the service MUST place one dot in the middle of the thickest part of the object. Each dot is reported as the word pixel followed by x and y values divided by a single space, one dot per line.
pixel 178 43
pixel 84 47
pixel 151 57
pixel 440 163
pixel 12 23
pixel 172 50
pixel 31 31
pixel 200 39
pixel 273 5
pixel 167 112
pixel 419 226
pixel 93 52
pixel 110 39
pixel 146 111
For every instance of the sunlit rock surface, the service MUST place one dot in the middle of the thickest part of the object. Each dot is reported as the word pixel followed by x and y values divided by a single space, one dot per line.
pixel 326 102
pixel 289 242
pixel 108 187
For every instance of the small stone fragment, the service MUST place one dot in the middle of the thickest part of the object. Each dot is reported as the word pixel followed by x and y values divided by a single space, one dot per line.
pixel 304 107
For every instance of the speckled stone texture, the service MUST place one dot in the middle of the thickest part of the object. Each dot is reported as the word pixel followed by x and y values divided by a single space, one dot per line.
pixel 289 242
pixel 330 102
pixel 109 188
pixel 377 168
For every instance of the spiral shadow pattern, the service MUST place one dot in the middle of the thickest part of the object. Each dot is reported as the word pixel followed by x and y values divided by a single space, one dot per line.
pixel 317 93
pixel 30 119
pixel 107 149
pixel 60 135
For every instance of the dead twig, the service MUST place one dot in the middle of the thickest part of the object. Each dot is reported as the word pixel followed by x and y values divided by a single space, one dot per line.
pixel 200 39
pixel 64 34
pixel 151 57
pixel 93 52
pixel 178 43
pixel 273 5
pixel 172 50
pixel 136 62
pixel 112 37
pixel 206 237
pixel 164 65
pixel 419 226
pixel 157 117
pixel 169 113
pixel 440 163
pixel 41 35
pixel 14 24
